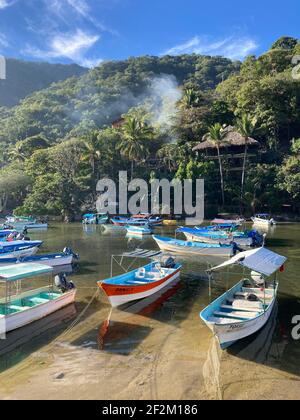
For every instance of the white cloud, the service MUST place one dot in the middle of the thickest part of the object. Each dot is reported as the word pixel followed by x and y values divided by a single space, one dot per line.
pixel 73 46
pixel 3 41
pixel 232 47
pixel 6 3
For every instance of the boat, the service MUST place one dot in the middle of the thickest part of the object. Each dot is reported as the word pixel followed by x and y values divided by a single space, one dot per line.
pixel 152 219
pixel 263 219
pixel 139 230
pixel 67 257
pixel 137 220
pixel 6 232
pixel 25 223
pixel 235 221
pixel 246 307
pixel 245 238
pixel 193 248
pixel 23 308
pixel 17 249
pixel 142 282
pixel 95 219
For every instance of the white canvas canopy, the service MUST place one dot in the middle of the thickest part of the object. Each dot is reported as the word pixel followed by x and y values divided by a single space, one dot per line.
pixel 260 260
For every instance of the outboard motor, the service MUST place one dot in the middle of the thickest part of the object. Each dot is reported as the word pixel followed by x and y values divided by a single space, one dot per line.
pixel 68 251
pixel 236 248
pixel 62 283
pixel 168 262
pixel 258 279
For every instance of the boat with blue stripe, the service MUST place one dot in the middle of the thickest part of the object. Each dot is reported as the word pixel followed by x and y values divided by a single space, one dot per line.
pixel 17 249
pixel 193 248
pixel 246 307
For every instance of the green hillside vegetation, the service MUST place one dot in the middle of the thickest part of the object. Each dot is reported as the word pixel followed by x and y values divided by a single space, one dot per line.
pixel 63 140
pixel 25 77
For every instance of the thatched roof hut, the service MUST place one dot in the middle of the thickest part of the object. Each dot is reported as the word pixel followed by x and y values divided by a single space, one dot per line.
pixel 232 139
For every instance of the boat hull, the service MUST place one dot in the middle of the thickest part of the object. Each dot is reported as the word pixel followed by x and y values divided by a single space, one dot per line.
pixel 54 261
pixel 193 250
pixel 17 320
pixel 228 335
pixel 120 294
pixel 205 239
pixel 20 253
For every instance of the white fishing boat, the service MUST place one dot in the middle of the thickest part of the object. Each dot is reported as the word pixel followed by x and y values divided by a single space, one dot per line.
pixel 65 258
pixel 247 307
pixel 263 219
pixel 139 230
pixel 18 249
pixel 19 308
pixel 193 248
pixel 142 282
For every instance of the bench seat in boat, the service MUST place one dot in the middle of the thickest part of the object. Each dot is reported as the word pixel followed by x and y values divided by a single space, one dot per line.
pixel 239 308
pixel 220 320
pixel 18 308
pixel 237 314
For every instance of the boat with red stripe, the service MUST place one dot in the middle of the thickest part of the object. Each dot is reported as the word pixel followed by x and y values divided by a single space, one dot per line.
pixel 142 282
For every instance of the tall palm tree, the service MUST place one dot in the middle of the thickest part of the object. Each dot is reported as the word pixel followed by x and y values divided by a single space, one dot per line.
pixel 135 133
pixel 216 135
pixel 92 151
pixel 246 127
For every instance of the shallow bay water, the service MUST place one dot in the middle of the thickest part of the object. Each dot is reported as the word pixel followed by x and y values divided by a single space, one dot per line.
pixel 157 348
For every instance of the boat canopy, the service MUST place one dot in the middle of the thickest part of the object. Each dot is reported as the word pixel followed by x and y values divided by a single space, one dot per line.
pixel 141 253
pixel 261 260
pixel 226 222
pixel 23 271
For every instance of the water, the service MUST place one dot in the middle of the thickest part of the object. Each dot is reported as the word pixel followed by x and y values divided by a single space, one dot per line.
pixel 158 347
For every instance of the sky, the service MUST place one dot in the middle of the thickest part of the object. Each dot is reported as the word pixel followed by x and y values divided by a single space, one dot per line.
pixel 88 32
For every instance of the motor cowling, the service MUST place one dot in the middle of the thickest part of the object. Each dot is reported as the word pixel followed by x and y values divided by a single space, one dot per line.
pixel 69 251
pixel 62 283
pixel 167 262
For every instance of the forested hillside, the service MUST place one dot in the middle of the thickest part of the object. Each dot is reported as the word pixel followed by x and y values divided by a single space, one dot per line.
pixel 24 78
pixel 58 141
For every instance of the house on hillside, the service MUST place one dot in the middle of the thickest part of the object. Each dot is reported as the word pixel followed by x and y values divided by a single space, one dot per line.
pixel 232 149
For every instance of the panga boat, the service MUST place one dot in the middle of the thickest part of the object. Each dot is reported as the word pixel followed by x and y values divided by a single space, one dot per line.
pixel 139 230
pixel 246 308
pixel 142 282
pixel 95 219
pixel 247 238
pixel 64 258
pixel 17 249
pixel 263 219
pixel 193 248
pixel 21 223
pixel 22 308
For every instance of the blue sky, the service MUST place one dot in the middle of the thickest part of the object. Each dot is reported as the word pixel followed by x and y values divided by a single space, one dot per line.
pixel 90 31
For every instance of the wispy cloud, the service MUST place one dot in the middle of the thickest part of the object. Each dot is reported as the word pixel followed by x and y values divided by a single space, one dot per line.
pixel 3 41
pixel 6 3
pixel 73 46
pixel 232 47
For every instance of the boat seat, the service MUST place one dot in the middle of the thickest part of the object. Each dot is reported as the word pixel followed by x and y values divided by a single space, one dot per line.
pixel 240 308
pixel 18 308
pixel 141 273
pixel 137 281
pixel 37 300
pixel 237 314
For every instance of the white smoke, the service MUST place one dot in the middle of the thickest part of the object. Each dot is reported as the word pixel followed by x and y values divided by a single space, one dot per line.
pixel 164 96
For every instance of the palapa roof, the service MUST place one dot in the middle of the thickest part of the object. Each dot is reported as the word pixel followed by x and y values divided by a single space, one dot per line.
pixel 231 138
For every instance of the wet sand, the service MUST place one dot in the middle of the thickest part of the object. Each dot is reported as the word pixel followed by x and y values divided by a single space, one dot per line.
pixel 155 349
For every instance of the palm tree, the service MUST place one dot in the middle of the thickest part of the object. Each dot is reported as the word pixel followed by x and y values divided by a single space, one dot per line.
pixel 16 154
pixel 216 135
pixel 246 127
pixel 133 145
pixel 190 99
pixel 92 151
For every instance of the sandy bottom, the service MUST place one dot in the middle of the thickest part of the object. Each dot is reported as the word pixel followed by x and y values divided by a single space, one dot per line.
pixel 135 357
